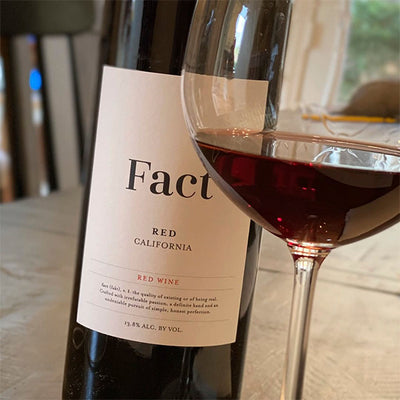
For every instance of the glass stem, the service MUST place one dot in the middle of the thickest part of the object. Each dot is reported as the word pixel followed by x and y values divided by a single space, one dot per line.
pixel 306 263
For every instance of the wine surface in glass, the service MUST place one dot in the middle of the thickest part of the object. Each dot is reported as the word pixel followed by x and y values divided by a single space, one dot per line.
pixel 308 192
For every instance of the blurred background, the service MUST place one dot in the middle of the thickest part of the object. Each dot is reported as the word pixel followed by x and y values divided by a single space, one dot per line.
pixel 50 64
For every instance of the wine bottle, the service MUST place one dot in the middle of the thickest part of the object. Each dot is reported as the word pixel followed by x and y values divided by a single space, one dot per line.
pixel 166 265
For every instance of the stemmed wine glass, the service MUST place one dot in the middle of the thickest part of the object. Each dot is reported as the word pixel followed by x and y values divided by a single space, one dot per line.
pixel 316 187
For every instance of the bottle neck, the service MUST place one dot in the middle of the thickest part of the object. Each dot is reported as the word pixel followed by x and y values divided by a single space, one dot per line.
pixel 148 35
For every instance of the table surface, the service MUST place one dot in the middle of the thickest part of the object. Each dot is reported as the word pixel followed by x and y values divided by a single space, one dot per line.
pixel 354 348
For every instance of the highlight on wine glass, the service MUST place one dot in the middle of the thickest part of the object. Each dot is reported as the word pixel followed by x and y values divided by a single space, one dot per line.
pixel 319 176
pixel 225 87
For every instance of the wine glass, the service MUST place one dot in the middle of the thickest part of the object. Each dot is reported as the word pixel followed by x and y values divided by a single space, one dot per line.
pixel 315 184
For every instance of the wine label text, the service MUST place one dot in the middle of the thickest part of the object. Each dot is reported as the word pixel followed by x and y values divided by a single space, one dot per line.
pixel 185 185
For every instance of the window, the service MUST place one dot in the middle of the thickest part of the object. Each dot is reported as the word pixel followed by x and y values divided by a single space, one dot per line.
pixel 373 45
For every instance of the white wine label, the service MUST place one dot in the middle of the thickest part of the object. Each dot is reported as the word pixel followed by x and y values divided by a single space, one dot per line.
pixel 164 250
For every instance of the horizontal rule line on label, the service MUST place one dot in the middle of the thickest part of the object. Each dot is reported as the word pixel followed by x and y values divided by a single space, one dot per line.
pixel 158 286
pixel 160 273
pixel 160 319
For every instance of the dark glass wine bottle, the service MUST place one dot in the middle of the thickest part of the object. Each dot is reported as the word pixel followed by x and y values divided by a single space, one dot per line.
pixel 150 35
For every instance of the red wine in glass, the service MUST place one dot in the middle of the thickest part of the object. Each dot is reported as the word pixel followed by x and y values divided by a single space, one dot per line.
pixel 318 202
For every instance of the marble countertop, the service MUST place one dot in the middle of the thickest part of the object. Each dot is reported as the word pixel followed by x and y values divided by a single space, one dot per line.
pixel 354 347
